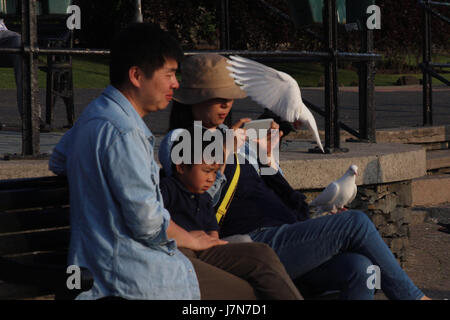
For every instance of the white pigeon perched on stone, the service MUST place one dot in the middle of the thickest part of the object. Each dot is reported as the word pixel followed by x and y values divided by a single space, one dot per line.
pixel 338 193
pixel 274 90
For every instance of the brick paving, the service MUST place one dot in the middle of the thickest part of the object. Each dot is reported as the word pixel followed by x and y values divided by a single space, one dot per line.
pixel 428 259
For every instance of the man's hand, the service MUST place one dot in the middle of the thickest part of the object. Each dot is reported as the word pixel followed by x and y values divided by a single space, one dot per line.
pixel 203 241
pixel 194 240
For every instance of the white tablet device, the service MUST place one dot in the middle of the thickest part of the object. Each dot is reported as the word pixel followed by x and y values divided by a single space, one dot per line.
pixel 259 124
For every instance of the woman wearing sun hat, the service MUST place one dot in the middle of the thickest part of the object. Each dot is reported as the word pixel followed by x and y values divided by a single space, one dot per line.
pixel 329 253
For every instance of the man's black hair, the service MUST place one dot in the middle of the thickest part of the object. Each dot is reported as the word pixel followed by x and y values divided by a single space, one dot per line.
pixel 144 45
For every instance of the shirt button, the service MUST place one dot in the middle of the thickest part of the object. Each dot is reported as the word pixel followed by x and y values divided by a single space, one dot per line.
pixel 192 196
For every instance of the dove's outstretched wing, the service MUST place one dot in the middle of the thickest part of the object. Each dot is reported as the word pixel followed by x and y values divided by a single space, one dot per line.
pixel 272 89
pixel 308 119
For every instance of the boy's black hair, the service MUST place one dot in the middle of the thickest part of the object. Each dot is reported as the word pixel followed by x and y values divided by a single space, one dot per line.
pixel 204 145
pixel 144 45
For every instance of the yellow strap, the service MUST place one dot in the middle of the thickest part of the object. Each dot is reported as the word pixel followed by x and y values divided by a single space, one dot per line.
pixel 230 193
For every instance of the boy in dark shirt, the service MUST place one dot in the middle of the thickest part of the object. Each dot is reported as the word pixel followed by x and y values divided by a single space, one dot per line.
pixel 190 206
pixel 186 199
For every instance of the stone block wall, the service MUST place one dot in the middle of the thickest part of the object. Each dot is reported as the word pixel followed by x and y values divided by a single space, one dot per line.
pixel 387 207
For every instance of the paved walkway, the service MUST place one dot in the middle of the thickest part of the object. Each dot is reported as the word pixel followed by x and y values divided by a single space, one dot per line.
pixel 428 259
pixel 395 107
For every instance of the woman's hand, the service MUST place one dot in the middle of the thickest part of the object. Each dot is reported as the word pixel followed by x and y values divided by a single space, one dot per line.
pixel 239 135
pixel 269 143
pixel 240 123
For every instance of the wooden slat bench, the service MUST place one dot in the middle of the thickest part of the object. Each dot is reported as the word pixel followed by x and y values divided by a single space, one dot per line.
pixel 34 237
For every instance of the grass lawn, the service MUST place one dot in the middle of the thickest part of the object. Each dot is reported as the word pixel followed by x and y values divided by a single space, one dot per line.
pixel 92 72
pixel 309 74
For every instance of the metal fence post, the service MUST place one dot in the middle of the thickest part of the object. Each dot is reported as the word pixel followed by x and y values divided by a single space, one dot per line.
pixel 225 44
pixel 332 134
pixel 30 92
pixel 367 128
pixel 224 25
pixel 138 14
pixel 427 80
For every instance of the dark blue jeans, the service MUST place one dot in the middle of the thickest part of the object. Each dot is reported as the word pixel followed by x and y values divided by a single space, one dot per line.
pixel 337 252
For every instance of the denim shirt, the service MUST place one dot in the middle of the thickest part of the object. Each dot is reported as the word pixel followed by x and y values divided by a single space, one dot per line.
pixel 118 221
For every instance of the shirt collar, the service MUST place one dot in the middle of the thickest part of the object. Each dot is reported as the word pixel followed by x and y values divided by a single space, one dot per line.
pixel 118 97
pixel 181 186
pixel 192 195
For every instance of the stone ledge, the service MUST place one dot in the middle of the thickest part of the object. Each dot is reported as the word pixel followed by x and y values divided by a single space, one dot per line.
pixel 437 159
pixel 377 163
pixel 430 190
pixel 15 169
pixel 412 135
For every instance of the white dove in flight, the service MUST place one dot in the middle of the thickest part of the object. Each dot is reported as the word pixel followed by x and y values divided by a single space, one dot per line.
pixel 338 193
pixel 274 90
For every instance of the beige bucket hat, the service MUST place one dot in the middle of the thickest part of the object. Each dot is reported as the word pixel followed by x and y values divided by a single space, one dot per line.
pixel 205 76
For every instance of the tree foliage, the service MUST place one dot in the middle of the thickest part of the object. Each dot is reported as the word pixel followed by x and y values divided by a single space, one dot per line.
pixel 101 19
pixel 196 23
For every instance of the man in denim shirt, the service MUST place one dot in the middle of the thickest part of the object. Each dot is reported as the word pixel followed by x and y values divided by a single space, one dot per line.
pixel 120 230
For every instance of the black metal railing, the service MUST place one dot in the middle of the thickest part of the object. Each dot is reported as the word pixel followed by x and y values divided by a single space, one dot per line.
pixel 427 66
pixel 330 56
